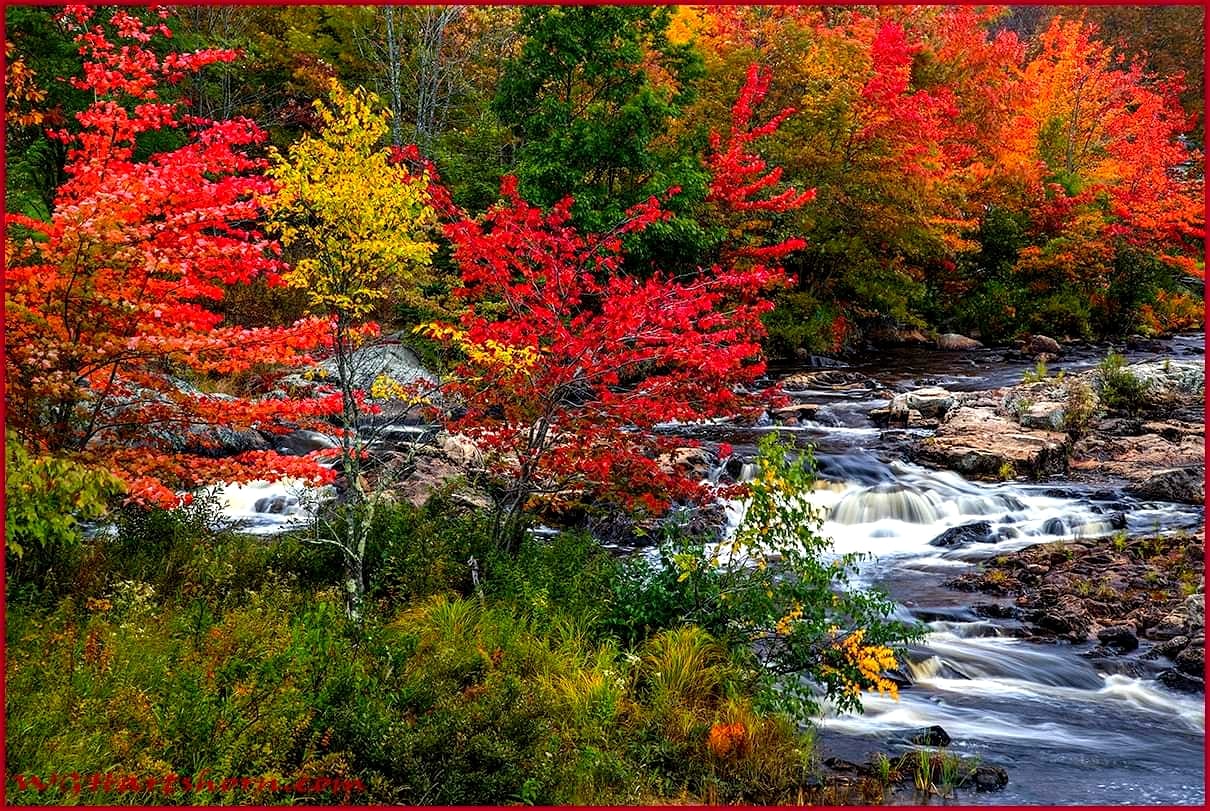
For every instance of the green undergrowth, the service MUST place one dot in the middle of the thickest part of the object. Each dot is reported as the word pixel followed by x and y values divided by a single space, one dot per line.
pixel 168 648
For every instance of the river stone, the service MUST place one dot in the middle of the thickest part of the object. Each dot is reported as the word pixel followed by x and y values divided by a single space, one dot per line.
pixel 1192 660
pixel 1119 637
pixel 1046 416
pixel 693 462
pixel 990 778
pixel 978 532
pixel 302 442
pixel 1042 344
pixel 388 358
pixel 1185 485
pixel 1067 618
pixel 929 736
pixel 1195 611
pixel 953 342
pixel 1171 379
pixel 1168 649
pixel 933 402
pixel 792 414
pixel 978 442
pixel 1181 682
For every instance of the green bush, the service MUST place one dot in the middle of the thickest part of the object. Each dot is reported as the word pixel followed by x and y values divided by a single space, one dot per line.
pixel 1064 312
pixel 47 502
pixel 774 583
pixel 800 322
pixel 1121 390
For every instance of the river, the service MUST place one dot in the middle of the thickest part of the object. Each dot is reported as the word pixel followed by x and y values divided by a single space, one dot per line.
pixel 1069 729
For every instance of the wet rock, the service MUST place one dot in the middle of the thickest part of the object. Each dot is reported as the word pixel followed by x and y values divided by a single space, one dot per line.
pixel 1120 426
pixel 1171 380
pixel 978 532
pixel 694 462
pixel 1168 649
pixel 1118 637
pixel 1195 611
pixel 977 442
pixel 1139 458
pixel 1181 682
pixel 1167 628
pixel 1042 344
pixel 386 358
pixel 1185 485
pixel 989 778
pixel 1068 619
pixel 828 380
pixel 793 414
pixel 953 342
pixel 1191 661
pixel 996 611
pixel 841 765
pixel 459 450
pixel 929 736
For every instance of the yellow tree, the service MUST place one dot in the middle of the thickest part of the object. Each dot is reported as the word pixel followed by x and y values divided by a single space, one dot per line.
pixel 360 222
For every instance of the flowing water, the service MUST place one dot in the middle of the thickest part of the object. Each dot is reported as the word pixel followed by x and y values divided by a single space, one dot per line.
pixel 1069 729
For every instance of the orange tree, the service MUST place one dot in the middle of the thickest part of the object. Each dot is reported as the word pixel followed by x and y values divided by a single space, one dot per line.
pixel 110 302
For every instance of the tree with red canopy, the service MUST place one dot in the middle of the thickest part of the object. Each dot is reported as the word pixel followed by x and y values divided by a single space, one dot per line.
pixel 111 321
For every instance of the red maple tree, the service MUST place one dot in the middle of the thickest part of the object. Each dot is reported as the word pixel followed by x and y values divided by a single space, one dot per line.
pixel 110 304
pixel 570 365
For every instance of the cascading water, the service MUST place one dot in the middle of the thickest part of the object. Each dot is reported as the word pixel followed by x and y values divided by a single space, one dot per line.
pixel 1069 729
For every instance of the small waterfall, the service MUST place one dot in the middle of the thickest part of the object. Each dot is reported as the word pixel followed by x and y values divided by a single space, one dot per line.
pixel 262 508
pixel 927 668
pixel 897 501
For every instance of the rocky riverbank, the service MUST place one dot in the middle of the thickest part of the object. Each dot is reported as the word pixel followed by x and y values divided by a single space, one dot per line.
pixel 1140 427
pixel 1142 600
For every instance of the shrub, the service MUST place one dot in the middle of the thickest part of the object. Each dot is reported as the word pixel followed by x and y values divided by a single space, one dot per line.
pixel 1080 405
pixel 47 502
pixel 772 583
pixel 1121 390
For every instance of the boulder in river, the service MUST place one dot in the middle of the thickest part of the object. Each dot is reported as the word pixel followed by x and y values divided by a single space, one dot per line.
pixel 933 402
pixel 977 442
pixel 989 778
pixel 1042 345
pixel 1181 682
pixel 929 736
pixel 387 358
pixel 953 342
pixel 1185 485
pixel 1118 637
pixel 978 532
pixel 1045 416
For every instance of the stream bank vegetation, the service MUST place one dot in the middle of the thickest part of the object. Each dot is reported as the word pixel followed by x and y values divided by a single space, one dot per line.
pixel 562 675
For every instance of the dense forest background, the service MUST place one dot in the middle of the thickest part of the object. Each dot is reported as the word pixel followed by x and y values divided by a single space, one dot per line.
pixel 987 171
